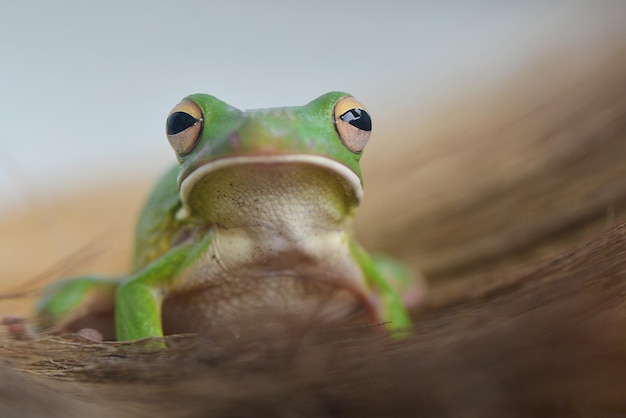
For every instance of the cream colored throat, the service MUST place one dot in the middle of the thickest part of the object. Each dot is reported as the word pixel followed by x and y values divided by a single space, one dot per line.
pixel 277 189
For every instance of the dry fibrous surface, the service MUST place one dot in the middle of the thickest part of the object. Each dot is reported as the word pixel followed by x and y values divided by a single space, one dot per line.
pixel 549 344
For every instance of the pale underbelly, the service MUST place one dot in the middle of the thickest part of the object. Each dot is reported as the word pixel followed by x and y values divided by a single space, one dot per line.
pixel 260 299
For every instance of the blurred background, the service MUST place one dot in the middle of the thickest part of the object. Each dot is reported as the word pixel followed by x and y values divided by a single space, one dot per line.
pixel 498 126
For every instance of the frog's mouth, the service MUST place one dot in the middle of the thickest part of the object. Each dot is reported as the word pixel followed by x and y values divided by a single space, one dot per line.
pixel 350 180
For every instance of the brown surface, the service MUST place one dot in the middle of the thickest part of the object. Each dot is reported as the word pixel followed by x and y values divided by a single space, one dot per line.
pixel 551 344
pixel 490 187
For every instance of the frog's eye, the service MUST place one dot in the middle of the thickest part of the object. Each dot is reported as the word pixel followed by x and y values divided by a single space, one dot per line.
pixel 353 124
pixel 184 126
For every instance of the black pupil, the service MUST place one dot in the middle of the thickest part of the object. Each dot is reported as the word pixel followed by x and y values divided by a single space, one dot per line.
pixel 179 121
pixel 358 118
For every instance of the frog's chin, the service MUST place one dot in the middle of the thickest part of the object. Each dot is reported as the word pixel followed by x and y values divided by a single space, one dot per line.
pixel 349 177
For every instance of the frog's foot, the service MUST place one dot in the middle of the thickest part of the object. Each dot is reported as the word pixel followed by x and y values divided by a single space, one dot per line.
pixel 77 305
pixel 17 328
pixel 411 287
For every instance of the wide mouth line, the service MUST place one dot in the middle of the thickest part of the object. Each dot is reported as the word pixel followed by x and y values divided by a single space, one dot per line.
pixel 187 184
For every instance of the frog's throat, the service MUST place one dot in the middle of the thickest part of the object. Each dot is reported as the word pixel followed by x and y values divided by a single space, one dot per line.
pixel 188 183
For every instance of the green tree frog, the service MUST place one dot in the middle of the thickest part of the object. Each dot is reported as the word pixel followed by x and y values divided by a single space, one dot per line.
pixel 257 216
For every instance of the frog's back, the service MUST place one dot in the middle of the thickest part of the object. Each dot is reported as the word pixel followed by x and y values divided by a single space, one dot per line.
pixel 157 225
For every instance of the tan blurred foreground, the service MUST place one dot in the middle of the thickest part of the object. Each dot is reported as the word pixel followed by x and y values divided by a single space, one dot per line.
pixel 492 184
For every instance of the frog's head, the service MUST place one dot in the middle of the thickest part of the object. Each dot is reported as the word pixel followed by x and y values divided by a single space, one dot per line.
pixel 218 145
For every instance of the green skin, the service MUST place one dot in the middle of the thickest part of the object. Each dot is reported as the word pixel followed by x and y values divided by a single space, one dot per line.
pixel 252 234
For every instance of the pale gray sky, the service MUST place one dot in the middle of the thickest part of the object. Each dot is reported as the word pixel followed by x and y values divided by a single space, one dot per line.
pixel 85 86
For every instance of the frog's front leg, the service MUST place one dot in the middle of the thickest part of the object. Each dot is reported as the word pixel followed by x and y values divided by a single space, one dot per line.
pixel 387 279
pixel 138 299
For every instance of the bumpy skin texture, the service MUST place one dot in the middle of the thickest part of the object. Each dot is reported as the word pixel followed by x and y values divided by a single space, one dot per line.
pixel 256 217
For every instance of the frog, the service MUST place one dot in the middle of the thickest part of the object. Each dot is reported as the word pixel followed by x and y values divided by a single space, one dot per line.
pixel 256 217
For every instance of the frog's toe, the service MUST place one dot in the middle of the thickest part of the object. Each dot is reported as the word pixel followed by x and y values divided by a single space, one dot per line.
pixel 16 327
pixel 414 296
pixel 91 333
pixel 96 325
